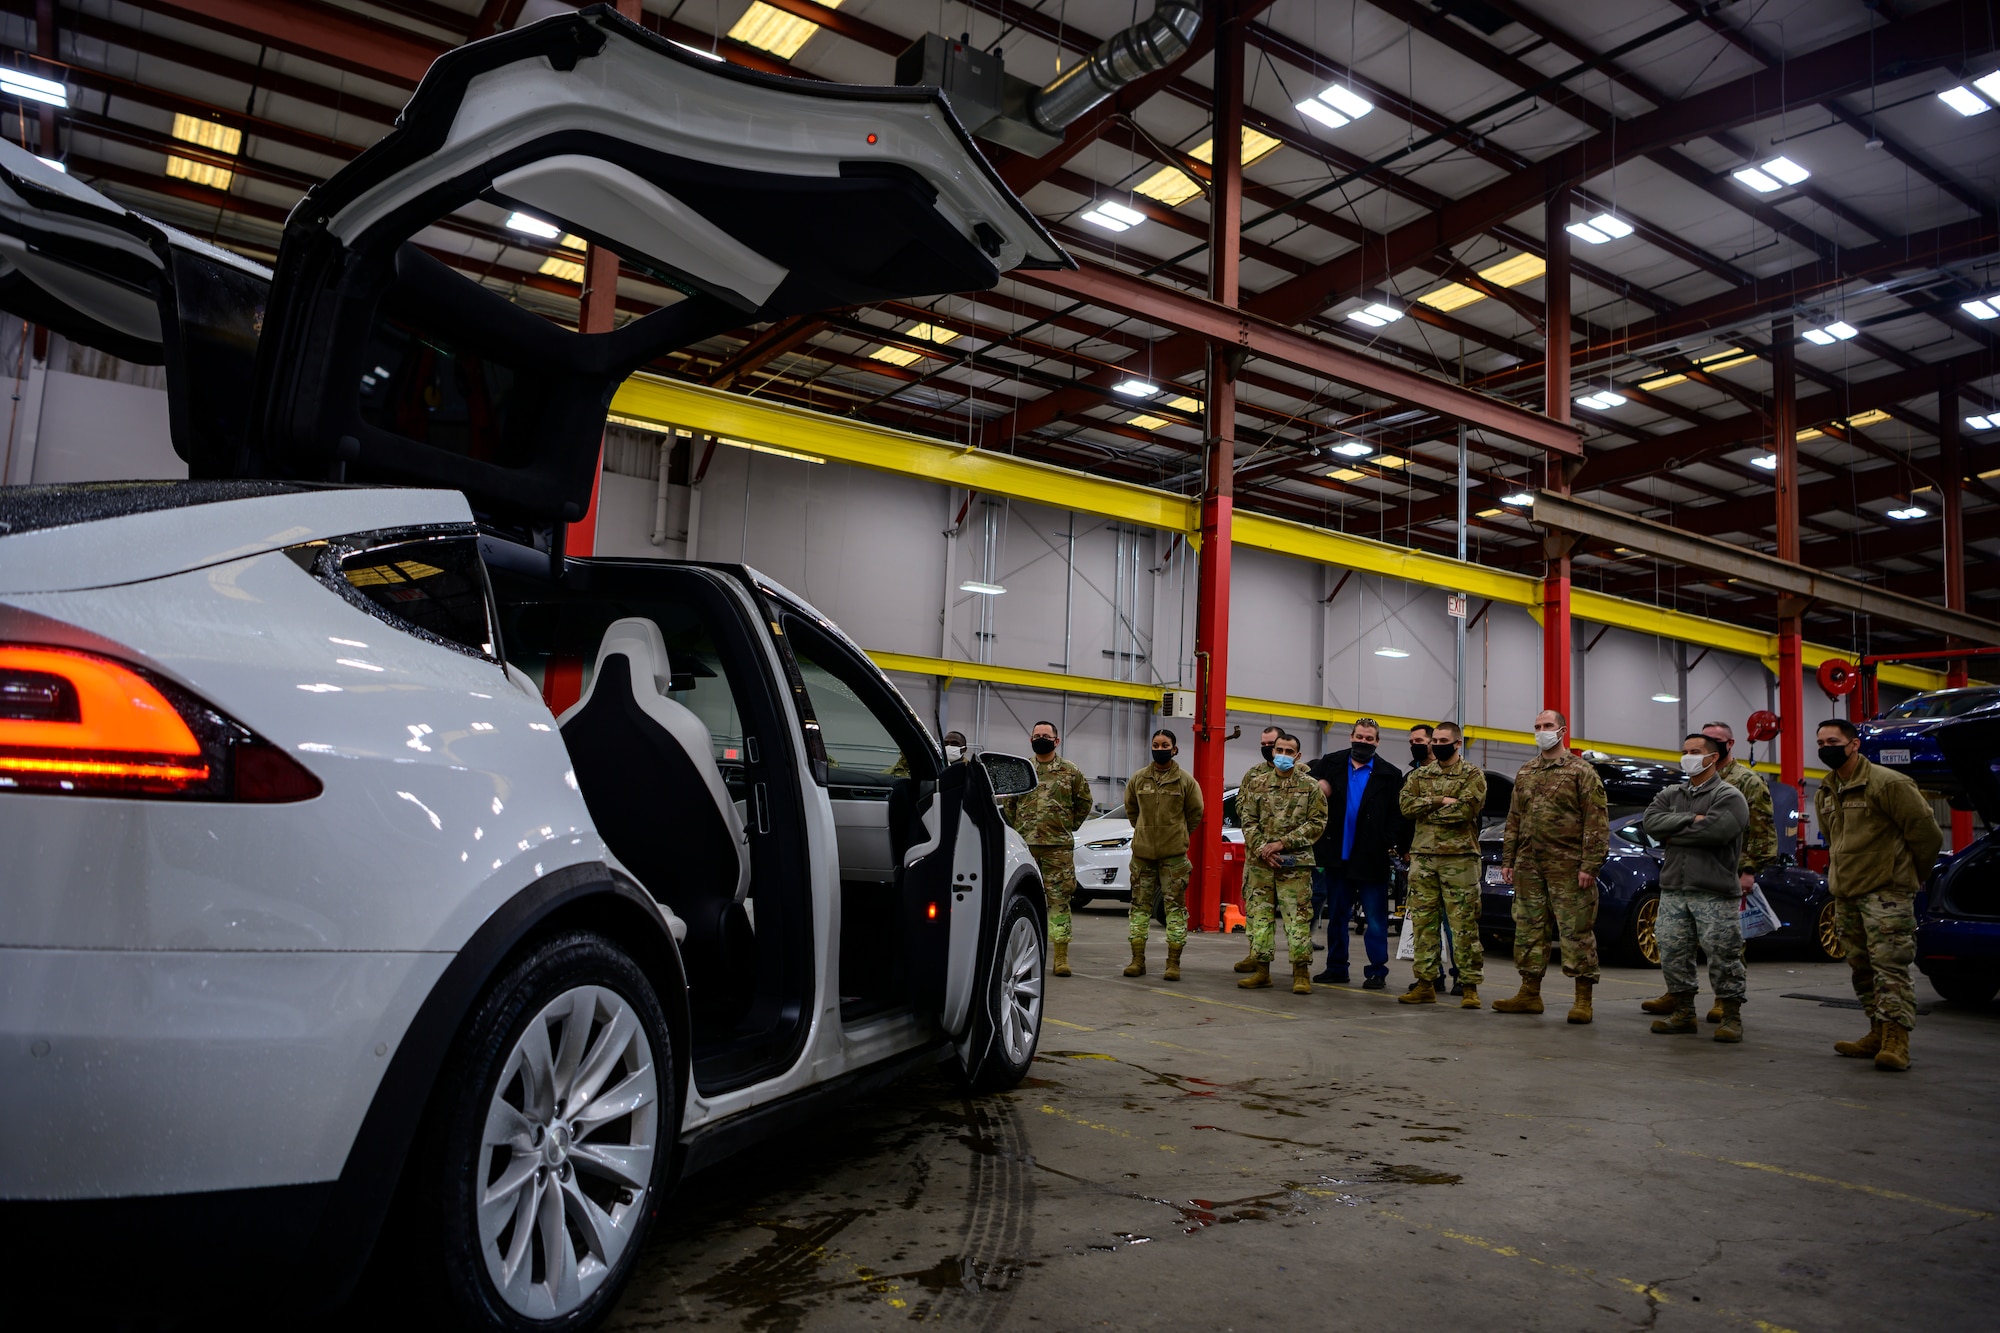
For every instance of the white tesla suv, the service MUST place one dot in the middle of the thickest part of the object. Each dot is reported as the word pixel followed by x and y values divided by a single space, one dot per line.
pixel 380 880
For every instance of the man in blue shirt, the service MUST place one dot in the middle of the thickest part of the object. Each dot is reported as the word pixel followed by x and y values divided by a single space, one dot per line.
pixel 1364 826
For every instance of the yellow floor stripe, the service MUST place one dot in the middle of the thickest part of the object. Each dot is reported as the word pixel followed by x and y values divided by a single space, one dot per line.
pixel 1807 1176
pixel 1199 999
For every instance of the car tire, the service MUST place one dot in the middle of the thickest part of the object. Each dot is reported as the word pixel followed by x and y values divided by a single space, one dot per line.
pixel 508 1147
pixel 1017 990
pixel 1641 943
pixel 1826 940
pixel 1965 992
pixel 1079 901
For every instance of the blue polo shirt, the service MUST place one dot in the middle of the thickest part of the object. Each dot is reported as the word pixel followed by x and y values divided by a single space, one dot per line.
pixel 1357 783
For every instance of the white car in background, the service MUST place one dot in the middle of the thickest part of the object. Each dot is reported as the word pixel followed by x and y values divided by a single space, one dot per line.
pixel 381 881
pixel 1104 855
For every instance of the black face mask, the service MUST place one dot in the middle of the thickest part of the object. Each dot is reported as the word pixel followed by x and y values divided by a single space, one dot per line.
pixel 1043 745
pixel 1420 754
pixel 1443 753
pixel 1361 750
pixel 1266 751
pixel 1832 756
pixel 1163 757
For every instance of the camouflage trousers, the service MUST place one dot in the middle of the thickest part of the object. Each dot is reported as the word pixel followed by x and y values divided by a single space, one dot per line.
pixel 1712 921
pixel 1058 867
pixel 1152 877
pixel 1879 931
pixel 1442 886
pixel 1549 904
pixel 1269 894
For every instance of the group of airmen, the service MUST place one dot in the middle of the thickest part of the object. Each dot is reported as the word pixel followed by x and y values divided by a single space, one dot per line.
pixel 1717 831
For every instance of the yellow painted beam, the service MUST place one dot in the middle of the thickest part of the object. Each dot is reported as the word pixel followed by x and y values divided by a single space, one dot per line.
pixel 949 671
pixel 737 417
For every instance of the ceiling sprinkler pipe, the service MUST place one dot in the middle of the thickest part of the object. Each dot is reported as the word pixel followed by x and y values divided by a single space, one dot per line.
pixel 1122 59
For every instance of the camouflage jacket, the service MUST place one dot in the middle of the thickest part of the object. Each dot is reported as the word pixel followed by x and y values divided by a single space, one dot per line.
pixel 1558 810
pixel 1163 807
pixel 1880 830
pixel 1281 807
pixel 1050 815
pixel 1444 830
pixel 1760 839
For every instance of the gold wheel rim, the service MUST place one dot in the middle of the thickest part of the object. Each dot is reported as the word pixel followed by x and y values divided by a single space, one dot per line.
pixel 1829 932
pixel 1649 930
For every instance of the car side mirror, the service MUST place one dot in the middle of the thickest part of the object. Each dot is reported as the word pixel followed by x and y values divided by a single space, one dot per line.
pixel 1008 774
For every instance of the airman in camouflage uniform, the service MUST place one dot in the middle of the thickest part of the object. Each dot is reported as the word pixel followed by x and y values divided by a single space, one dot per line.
pixel 1558 832
pixel 1884 840
pixel 1163 801
pixel 1047 819
pixel 1760 839
pixel 1444 800
pixel 1262 768
pixel 1283 812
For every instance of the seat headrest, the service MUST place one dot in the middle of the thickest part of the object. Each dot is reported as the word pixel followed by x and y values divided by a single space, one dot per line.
pixel 642 644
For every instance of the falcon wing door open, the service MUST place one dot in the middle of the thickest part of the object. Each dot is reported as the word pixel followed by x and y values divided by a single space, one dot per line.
pixel 750 196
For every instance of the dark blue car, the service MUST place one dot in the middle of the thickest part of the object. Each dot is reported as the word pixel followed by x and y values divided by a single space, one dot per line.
pixel 1958 913
pixel 1905 737
pixel 1628 884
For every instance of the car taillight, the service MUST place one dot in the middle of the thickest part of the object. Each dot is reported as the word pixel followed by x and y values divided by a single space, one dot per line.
pixel 81 724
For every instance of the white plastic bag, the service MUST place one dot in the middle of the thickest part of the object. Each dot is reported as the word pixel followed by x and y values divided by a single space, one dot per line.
pixel 1406 947
pixel 1756 917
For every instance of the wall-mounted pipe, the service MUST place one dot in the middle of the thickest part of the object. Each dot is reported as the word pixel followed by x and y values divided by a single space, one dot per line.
pixel 1122 58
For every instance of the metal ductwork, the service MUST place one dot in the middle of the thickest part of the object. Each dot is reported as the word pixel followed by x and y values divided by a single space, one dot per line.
pixel 1123 58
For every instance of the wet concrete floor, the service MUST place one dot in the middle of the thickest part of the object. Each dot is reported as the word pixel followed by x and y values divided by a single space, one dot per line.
pixel 1193 1156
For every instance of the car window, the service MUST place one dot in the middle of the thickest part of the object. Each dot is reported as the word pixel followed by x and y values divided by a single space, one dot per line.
pixel 1927 706
pixel 434 586
pixel 1635 834
pixel 860 725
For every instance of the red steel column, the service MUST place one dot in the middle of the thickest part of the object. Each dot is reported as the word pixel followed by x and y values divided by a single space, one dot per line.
pixel 1792 717
pixel 1950 485
pixel 1211 625
pixel 1556 661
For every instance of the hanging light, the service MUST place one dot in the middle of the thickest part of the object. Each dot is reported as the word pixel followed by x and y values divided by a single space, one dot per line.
pixel 1387 650
pixel 1664 697
pixel 985 589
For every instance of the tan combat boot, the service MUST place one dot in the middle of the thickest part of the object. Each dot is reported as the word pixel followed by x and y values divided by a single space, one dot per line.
pixel 1716 1010
pixel 1258 979
pixel 1249 963
pixel 1865 1048
pixel 1302 979
pixel 1895 1053
pixel 1732 1020
pixel 1060 965
pixel 1468 996
pixel 1424 992
pixel 1173 972
pixel 1681 1020
pixel 1580 1011
pixel 1663 1004
pixel 1137 967
pixel 1527 1000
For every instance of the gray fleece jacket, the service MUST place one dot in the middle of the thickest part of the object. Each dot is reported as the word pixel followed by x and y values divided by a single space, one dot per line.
pixel 1701 829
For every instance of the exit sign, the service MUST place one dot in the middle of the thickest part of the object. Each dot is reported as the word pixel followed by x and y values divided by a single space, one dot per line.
pixel 1454 604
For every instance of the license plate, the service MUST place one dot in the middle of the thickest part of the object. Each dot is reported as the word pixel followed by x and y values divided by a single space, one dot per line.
pixel 1493 875
pixel 1896 757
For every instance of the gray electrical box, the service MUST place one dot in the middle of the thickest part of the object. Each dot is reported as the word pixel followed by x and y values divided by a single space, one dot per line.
pixel 987 100
pixel 1177 703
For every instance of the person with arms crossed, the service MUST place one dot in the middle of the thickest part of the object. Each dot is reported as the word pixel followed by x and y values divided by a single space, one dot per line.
pixel 1699 824
pixel 1883 839
pixel 1163 802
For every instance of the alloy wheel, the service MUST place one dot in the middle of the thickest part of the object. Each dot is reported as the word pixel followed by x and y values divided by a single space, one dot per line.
pixel 566 1157
pixel 1021 991
pixel 1827 933
pixel 1649 930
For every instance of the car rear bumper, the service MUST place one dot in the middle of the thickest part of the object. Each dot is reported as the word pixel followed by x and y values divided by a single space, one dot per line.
pixel 126 1073
pixel 1953 946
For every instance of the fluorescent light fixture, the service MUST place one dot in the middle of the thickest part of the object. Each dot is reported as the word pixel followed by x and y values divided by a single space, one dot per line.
pixel 1665 698
pixel 986 589
pixel 1616 228
pixel 1346 474
pixel 1489 513
pixel 1769 462
pixel 1185 403
pixel 1603 400
pixel 532 226
pixel 1788 171
pixel 1170 185
pixel 771 29
pixel 1386 651
pixel 1135 388
pixel 1809 433
pixel 1518 498
pixel 568 270
pixel 895 356
pixel 1586 233
pixel 1842 330
pixel 20 83
pixel 1757 180
pixel 1114 216
pixel 1513 272
pixel 1354 449
pixel 1375 316
pixel 1386 460
pixel 1989 84
pixel 1256 145
pixel 1964 101
pixel 1914 511
pixel 1724 363
pixel 1317 110
pixel 1868 418
pixel 1819 337
pixel 771 449
pixel 1591 400
pixel 53 164
pixel 1980 423
pixel 1986 308
pixel 1146 421
pixel 1451 296
pixel 1335 107
pixel 1662 382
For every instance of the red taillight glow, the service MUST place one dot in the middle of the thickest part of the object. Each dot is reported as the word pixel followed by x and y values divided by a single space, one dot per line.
pixel 72 720
pixel 931 911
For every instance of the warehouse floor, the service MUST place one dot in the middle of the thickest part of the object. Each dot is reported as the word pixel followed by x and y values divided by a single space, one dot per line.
pixel 1195 1156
